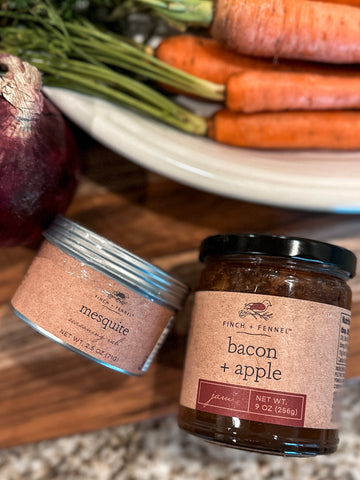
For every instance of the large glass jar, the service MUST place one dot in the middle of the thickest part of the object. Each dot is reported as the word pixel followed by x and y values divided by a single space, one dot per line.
pixel 266 353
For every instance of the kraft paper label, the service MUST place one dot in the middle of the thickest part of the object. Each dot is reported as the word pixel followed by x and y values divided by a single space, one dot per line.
pixel 266 358
pixel 91 312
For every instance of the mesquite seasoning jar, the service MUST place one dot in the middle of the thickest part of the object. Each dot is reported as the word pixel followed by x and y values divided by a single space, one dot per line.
pixel 98 299
pixel 266 353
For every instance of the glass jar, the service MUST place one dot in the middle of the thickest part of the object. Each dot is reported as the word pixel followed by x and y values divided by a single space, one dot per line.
pixel 266 353
pixel 98 299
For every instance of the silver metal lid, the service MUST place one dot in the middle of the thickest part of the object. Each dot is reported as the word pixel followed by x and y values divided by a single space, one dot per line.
pixel 116 262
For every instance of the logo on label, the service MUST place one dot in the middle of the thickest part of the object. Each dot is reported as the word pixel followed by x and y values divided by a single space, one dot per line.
pixel 258 310
pixel 119 297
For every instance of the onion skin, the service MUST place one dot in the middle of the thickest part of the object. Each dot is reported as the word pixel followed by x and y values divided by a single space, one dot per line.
pixel 39 160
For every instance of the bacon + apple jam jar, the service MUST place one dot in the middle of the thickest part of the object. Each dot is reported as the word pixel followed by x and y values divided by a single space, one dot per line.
pixel 266 353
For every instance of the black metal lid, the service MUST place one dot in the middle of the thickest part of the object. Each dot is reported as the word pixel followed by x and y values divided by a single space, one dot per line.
pixel 279 246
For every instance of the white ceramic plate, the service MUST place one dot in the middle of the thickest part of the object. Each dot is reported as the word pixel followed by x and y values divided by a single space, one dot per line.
pixel 310 180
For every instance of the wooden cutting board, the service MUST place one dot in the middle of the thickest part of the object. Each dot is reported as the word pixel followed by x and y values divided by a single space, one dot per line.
pixel 48 391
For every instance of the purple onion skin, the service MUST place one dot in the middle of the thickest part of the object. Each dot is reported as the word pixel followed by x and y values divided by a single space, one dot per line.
pixel 39 159
pixel 39 172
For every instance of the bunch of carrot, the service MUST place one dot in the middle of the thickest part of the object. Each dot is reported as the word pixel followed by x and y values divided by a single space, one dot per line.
pixel 287 67
pixel 262 64
pixel 273 104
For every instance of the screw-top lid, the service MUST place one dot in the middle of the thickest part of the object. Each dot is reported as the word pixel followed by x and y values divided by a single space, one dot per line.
pixel 116 262
pixel 279 246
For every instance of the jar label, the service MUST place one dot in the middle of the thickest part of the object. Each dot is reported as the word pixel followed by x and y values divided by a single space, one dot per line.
pixel 90 312
pixel 266 358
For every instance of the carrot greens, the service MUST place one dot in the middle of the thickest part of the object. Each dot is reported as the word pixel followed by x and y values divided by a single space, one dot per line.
pixel 78 55
pixel 182 13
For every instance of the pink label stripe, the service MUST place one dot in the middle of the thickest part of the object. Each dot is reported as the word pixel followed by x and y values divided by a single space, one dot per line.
pixel 281 408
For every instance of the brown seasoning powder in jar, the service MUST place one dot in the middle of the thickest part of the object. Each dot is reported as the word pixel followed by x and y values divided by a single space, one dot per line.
pixel 266 354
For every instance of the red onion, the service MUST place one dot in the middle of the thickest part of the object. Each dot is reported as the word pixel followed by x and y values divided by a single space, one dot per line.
pixel 39 162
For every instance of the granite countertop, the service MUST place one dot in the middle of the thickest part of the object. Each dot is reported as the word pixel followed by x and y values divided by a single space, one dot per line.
pixel 158 449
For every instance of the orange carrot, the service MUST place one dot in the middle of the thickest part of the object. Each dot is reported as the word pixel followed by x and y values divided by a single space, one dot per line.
pixel 287 130
pixel 211 60
pixel 205 57
pixel 298 29
pixel 259 90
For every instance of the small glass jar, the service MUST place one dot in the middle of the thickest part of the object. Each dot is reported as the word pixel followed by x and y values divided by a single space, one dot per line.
pixel 98 299
pixel 266 353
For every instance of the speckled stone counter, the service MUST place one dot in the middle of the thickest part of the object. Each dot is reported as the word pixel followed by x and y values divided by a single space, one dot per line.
pixel 158 450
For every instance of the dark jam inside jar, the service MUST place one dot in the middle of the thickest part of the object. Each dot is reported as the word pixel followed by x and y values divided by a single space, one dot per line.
pixel 276 276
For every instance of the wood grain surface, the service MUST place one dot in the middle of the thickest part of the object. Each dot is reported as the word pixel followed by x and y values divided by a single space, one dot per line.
pixel 48 391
